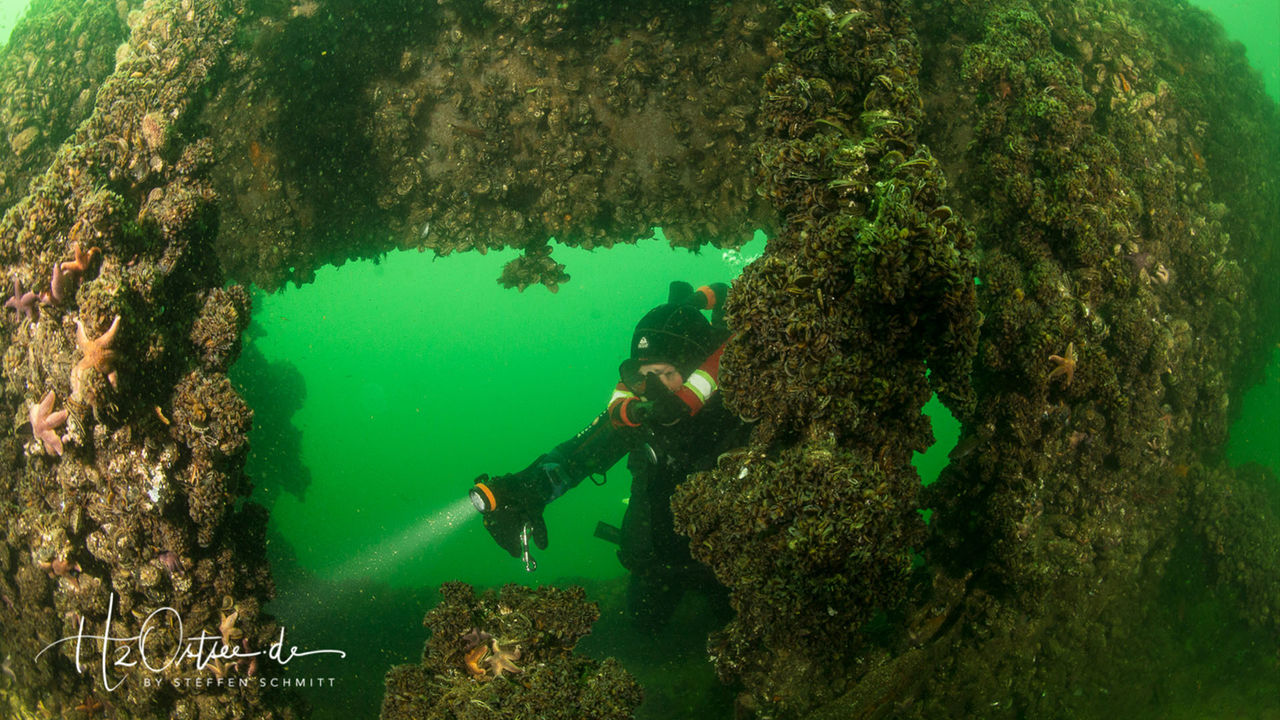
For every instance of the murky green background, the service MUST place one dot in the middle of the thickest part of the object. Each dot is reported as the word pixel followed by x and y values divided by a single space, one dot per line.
pixel 384 387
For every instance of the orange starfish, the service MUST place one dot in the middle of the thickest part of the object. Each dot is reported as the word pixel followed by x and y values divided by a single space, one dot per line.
pixel 98 355
pixel 82 260
pixel 66 274
pixel 1064 364
pixel 228 628
pixel 471 661
pixel 63 568
pixel 90 707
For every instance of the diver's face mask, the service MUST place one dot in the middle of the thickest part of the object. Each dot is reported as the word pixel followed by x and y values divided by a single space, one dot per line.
pixel 637 376
pixel 664 373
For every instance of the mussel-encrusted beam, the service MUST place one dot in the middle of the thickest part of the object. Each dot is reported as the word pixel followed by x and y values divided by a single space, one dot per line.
pixel 450 126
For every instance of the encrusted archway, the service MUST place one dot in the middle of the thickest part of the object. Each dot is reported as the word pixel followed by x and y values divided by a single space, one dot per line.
pixel 1101 167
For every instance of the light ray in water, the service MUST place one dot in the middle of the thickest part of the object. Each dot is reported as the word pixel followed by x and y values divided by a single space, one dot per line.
pixel 381 560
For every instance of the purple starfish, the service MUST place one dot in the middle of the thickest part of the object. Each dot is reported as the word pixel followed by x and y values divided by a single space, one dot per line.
pixel 45 424
pixel 61 284
pixel 21 302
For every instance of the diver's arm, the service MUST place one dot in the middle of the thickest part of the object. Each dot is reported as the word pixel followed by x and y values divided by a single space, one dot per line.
pixel 515 501
pixel 591 452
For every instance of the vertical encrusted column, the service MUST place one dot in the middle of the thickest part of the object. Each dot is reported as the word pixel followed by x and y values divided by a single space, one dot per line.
pixel 861 307
pixel 1124 274
pixel 115 353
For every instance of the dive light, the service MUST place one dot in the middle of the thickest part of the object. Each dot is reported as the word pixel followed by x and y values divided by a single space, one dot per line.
pixel 482 496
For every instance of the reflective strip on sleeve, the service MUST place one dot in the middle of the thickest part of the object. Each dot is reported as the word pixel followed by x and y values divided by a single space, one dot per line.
pixel 702 384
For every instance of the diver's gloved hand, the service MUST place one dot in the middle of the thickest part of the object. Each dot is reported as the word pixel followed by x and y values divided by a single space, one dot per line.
pixel 520 498
pixel 660 406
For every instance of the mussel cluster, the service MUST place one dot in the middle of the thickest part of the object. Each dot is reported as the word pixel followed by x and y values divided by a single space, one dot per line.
pixel 469 667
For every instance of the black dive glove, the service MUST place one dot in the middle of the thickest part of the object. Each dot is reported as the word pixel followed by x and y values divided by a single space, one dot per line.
pixel 660 406
pixel 519 499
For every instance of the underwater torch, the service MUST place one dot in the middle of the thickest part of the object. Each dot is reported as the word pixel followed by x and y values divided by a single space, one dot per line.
pixel 482 497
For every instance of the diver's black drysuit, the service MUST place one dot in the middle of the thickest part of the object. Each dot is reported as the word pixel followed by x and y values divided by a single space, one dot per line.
pixel 668 435
pixel 660 459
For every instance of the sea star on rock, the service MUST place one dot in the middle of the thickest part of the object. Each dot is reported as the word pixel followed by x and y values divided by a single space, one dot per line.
pixel 90 707
pixel 228 628
pixel 82 260
pixel 65 274
pixel 471 661
pixel 63 569
pixel 21 302
pixel 1064 365
pixel 475 637
pixel 98 355
pixel 503 660
pixel 171 562
pixel 45 424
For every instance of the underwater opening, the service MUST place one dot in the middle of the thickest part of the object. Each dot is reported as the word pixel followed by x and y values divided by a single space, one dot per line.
pixel 382 389
pixel 412 375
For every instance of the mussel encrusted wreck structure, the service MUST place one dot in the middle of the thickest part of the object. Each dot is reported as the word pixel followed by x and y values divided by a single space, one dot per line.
pixel 1057 216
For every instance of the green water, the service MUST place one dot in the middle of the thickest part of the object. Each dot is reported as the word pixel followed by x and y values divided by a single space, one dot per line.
pixel 422 373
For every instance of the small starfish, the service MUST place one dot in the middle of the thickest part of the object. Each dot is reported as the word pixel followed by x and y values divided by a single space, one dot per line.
pixel 475 637
pixel 90 707
pixel 217 667
pixel 62 568
pixel 21 302
pixel 82 260
pixel 228 627
pixel 67 273
pixel 98 355
pixel 45 423
pixel 503 660
pixel 471 661
pixel 1064 364
pixel 171 562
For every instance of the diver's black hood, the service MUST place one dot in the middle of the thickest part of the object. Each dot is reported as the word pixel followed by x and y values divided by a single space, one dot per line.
pixel 676 334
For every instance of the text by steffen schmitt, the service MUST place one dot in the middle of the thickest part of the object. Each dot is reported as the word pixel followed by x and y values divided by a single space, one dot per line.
pixel 199 683
pixel 120 656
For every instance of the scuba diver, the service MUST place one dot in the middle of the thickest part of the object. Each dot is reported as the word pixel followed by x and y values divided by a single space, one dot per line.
pixel 667 415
